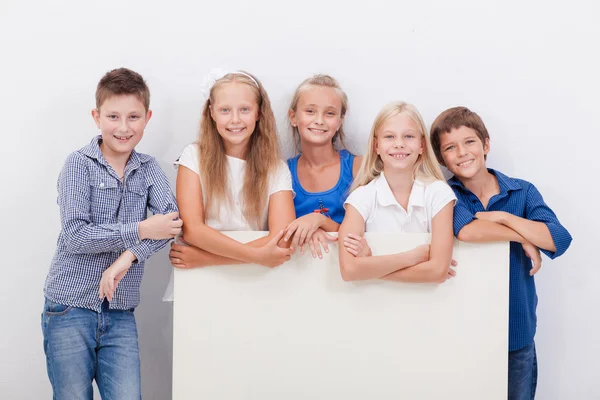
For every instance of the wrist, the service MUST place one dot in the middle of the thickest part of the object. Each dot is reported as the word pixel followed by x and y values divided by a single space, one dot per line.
pixel 129 256
pixel 142 230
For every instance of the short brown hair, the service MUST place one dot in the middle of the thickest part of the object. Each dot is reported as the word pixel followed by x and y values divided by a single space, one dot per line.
pixel 122 81
pixel 454 118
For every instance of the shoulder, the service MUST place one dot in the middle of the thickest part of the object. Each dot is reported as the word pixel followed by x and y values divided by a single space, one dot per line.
pixel 437 186
pixel 190 158
pixel 364 194
pixel 292 161
pixel 438 193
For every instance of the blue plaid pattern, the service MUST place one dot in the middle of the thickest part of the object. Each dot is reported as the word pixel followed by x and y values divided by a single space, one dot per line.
pixel 99 218
pixel 522 199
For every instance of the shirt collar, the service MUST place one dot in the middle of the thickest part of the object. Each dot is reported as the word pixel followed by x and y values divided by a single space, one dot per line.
pixel 505 183
pixel 385 196
pixel 92 150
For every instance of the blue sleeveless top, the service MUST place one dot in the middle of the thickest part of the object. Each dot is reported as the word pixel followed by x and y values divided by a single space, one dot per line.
pixel 332 199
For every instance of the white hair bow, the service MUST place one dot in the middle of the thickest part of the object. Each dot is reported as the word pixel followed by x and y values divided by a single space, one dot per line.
pixel 214 75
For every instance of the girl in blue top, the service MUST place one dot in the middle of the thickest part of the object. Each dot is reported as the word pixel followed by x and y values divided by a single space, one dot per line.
pixel 323 171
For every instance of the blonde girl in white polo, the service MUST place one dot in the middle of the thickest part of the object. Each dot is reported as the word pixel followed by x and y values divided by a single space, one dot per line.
pixel 399 188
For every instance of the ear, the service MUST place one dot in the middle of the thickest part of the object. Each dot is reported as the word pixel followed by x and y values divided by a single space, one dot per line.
pixel 375 145
pixel 96 117
pixel 486 146
pixel 148 116
pixel 423 145
pixel 210 109
pixel 340 123
pixel 292 116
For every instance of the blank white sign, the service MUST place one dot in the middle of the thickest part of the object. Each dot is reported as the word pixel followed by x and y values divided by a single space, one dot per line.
pixel 300 332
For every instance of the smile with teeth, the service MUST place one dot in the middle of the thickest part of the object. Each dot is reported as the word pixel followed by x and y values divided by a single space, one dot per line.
pixel 123 137
pixel 316 130
pixel 465 163
pixel 399 156
pixel 235 130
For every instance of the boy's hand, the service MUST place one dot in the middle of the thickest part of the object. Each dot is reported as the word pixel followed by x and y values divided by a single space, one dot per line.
pixel 303 228
pixel 357 245
pixel 451 272
pixel 534 253
pixel 113 275
pixel 183 256
pixel 160 226
pixel 270 255
pixel 319 239
pixel 492 216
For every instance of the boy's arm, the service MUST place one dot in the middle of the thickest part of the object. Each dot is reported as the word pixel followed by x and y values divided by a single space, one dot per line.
pixel 469 229
pixel 80 233
pixel 160 201
pixel 540 225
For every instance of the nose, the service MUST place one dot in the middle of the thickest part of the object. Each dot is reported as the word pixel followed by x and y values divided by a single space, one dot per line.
pixel 235 116
pixel 123 126
pixel 319 119
pixel 462 150
pixel 399 142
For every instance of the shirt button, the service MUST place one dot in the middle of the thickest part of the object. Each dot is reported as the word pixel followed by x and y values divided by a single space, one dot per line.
pixel 102 185
pixel 137 242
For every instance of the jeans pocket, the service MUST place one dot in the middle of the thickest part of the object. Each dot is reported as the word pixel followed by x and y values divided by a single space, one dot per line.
pixel 52 309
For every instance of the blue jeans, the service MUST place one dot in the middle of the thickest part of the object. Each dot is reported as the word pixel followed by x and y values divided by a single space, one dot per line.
pixel 82 345
pixel 522 373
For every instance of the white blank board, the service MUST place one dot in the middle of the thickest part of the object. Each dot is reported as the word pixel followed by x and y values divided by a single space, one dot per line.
pixel 299 332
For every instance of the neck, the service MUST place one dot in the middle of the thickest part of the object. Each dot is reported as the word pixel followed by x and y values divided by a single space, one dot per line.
pixel 480 183
pixel 116 160
pixel 400 181
pixel 318 156
pixel 237 151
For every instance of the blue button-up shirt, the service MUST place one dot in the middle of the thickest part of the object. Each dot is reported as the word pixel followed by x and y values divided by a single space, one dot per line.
pixel 522 199
pixel 99 217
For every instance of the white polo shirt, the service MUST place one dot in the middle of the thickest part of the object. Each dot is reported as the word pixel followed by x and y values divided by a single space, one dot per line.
pixel 382 212
pixel 231 217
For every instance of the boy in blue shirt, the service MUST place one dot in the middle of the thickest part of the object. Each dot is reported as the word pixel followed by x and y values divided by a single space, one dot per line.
pixel 494 207
pixel 93 286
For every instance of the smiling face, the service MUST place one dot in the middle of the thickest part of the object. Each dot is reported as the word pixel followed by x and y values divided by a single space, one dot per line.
pixel 235 110
pixel 318 115
pixel 399 143
pixel 463 152
pixel 121 120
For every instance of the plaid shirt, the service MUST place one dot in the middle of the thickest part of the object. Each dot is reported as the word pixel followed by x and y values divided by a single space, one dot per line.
pixel 99 217
pixel 520 198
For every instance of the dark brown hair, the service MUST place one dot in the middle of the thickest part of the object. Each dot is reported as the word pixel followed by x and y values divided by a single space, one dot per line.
pixel 454 118
pixel 122 81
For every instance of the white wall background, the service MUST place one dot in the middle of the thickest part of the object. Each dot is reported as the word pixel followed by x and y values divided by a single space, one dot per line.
pixel 530 69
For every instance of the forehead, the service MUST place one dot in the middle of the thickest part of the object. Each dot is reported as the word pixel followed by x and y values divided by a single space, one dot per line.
pixel 398 123
pixel 122 102
pixel 323 96
pixel 230 92
pixel 457 135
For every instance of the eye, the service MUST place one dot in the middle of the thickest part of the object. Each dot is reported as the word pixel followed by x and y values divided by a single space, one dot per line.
pixel 331 114
pixel 224 110
pixel 409 136
pixel 309 111
pixel 449 148
pixel 470 141
pixel 134 117
pixel 245 109
pixel 388 137
pixel 112 116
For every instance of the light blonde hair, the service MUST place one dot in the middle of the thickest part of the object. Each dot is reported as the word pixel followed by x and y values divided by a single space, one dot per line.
pixel 325 81
pixel 426 167
pixel 262 156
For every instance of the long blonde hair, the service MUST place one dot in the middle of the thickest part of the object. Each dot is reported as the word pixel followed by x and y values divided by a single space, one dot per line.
pixel 262 156
pixel 426 167
pixel 325 81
